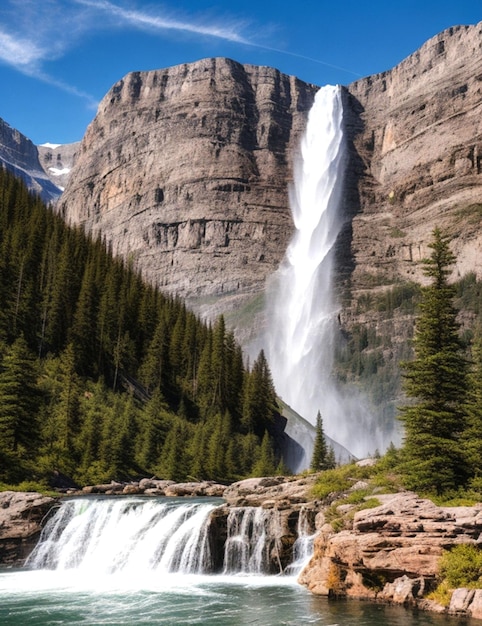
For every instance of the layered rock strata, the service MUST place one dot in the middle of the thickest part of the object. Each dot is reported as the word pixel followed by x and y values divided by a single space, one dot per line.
pixel 392 553
pixel 185 172
pixel 417 154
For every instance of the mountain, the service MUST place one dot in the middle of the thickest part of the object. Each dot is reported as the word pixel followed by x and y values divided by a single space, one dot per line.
pixel 57 161
pixel 44 169
pixel 185 172
pixel 416 135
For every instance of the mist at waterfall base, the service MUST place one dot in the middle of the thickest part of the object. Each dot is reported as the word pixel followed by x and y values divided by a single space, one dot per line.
pixel 144 560
pixel 302 312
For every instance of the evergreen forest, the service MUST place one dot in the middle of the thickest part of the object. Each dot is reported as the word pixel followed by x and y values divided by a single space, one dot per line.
pixel 103 377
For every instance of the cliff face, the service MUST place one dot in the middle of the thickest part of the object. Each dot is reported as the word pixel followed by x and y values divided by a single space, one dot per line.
pixel 417 150
pixel 185 171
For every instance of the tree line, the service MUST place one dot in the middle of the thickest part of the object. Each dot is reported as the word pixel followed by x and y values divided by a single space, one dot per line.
pixel 102 376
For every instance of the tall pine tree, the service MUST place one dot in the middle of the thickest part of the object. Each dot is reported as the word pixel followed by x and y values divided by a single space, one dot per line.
pixel 437 380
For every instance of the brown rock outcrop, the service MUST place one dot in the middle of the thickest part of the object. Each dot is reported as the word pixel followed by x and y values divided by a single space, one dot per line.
pixel 392 551
pixel 269 492
pixel 21 520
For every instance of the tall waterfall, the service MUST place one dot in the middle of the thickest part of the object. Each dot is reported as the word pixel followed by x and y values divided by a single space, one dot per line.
pixel 302 311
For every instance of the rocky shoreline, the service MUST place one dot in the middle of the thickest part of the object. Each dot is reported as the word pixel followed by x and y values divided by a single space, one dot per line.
pixel 388 553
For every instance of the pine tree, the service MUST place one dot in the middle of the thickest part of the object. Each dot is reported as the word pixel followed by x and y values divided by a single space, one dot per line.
pixel 320 450
pixel 265 465
pixel 19 401
pixel 154 426
pixel 259 398
pixel 437 380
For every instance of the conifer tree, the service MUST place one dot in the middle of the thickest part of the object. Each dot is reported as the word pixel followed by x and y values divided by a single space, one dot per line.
pixel 155 422
pixel 19 401
pixel 437 380
pixel 265 465
pixel 320 450
pixel 259 398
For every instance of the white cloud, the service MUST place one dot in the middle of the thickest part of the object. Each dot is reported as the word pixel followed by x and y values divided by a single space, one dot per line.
pixel 141 19
pixel 19 52
pixel 33 32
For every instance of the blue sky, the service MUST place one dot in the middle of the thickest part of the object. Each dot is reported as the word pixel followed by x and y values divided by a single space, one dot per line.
pixel 58 58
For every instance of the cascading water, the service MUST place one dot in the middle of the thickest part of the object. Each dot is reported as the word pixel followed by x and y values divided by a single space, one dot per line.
pixel 137 536
pixel 141 561
pixel 303 546
pixel 119 535
pixel 302 311
pixel 249 548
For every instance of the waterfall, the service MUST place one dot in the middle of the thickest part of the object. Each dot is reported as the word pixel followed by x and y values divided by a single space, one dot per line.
pixel 249 547
pixel 303 547
pixel 302 311
pixel 119 535
pixel 141 536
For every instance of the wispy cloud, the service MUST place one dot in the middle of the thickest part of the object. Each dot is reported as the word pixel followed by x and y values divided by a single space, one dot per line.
pixel 149 21
pixel 33 33
pixel 19 52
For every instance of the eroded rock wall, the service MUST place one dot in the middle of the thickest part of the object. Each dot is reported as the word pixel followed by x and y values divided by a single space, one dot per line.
pixel 185 170
pixel 417 149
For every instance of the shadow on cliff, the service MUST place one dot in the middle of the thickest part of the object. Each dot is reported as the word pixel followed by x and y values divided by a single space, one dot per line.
pixel 355 170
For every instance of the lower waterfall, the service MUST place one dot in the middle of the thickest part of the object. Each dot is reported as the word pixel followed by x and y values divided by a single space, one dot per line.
pixel 138 536
pixel 119 535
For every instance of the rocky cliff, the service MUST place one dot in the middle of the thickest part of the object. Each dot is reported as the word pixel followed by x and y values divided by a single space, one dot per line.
pixel 19 155
pixel 185 170
pixel 417 150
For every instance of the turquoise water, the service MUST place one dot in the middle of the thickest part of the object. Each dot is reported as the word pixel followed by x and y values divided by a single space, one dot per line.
pixel 145 561
pixel 47 598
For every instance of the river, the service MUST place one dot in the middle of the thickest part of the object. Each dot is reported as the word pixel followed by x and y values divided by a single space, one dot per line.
pixel 142 561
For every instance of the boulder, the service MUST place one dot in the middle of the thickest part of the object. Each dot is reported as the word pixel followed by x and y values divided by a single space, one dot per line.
pixel 22 516
pixel 279 489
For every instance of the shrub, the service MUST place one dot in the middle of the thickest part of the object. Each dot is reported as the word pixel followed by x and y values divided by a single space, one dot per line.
pixel 442 594
pixel 462 567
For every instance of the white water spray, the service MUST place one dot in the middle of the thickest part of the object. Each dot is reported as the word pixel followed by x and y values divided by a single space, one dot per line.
pixel 302 317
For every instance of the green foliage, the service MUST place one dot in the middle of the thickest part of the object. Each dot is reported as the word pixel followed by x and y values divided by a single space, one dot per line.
pixel 462 567
pixel 442 594
pixel 339 480
pixel 104 377
pixel 320 459
pixel 437 380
